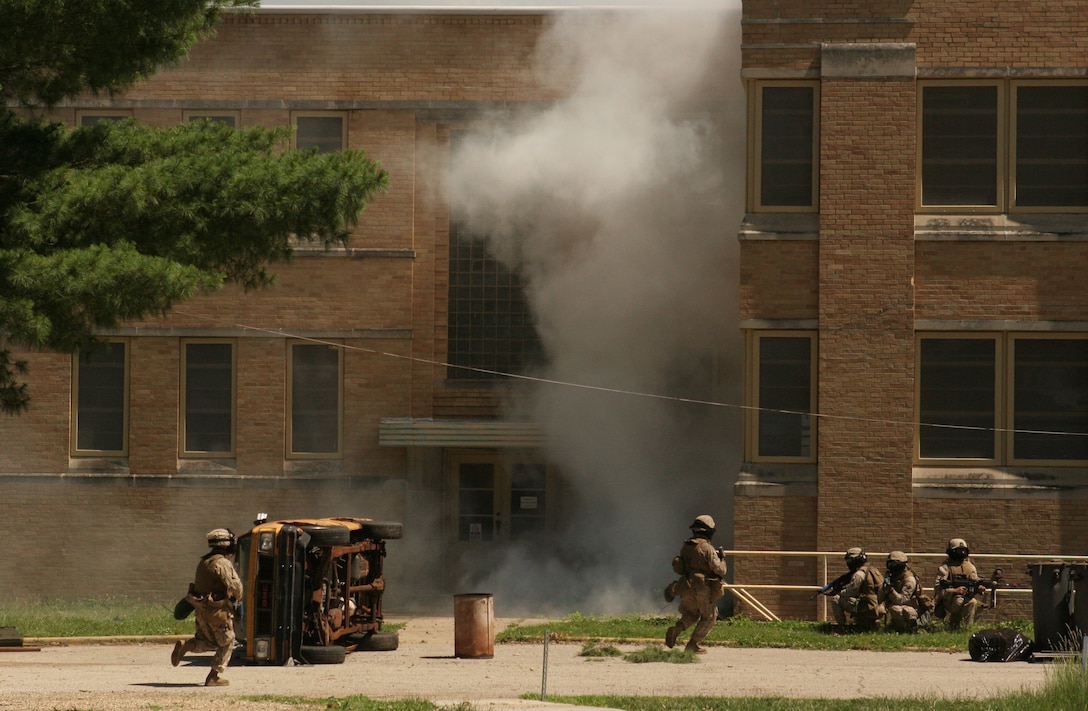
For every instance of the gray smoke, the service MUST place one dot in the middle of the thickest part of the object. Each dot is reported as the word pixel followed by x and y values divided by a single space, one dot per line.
pixel 620 206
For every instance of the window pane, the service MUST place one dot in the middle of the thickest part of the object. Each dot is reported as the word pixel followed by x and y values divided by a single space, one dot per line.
pixel 490 324
pixel 100 415
pixel 315 399
pixel 325 133
pixel 229 120
pixel 786 150
pixel 785 383
pixel 527 500
pixel 1052 146
pixel 209 397
pixel 476 501
pixel 92 119
pixel 959 145
pixel 957 390
pixel 1050 396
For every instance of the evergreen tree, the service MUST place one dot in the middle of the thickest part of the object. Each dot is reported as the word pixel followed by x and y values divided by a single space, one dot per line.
pixel 118 221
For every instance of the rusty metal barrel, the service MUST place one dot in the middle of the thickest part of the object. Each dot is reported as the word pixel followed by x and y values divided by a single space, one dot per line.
pixel 474 626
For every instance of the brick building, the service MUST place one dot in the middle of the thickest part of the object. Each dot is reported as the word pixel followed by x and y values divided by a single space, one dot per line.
pixel 362 384
pixel 912 266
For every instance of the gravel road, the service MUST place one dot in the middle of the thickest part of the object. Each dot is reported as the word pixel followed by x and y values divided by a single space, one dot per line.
pixel 138 676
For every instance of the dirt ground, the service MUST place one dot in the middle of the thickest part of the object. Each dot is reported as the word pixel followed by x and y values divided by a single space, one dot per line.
pixel 138 676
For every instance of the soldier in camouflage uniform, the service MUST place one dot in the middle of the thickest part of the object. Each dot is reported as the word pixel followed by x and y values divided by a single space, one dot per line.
pixel 857 604
pixel 959 603
pixel 701 568
pixel 901 594
pixel 213 594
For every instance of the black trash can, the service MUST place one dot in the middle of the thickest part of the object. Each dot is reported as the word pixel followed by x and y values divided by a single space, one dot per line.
pixel 1058 622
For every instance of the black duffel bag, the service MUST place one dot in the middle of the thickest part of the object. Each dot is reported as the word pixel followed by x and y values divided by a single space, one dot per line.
pixel 999 645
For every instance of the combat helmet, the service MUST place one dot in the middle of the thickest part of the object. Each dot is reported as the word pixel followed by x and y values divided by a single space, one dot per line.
pixel 958 549
pixel 855 558
pixel 897 561
pixel 220 538
pixel 703 525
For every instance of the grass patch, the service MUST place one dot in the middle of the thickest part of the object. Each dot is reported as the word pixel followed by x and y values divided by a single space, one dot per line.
pixel 92 618
pixel 595 648
pixel 360 703
pixel 104 617
pixel 744 632
pixel 657 653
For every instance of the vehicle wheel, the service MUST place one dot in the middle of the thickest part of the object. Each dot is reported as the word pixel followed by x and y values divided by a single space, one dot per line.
pixel 327 535
pixel 377 642
pixel 332 654
pixel 389 530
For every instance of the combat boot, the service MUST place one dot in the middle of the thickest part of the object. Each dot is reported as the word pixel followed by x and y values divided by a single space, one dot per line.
pixel 215 680
pixel 178 653
pixel 694 648
pixel 670 636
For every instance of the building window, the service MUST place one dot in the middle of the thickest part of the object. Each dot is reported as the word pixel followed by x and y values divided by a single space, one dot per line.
pixel 491 328
pixel 784 166
pixel 323 132
pixel 960 130
pixel 973 157
pixel 315 374
pixel 207 398
pixel 782 396
pixel 1003 398
pixel 90 118
pixel 101 400
pixel 230 117
pixel 957 397
pixel 1051 148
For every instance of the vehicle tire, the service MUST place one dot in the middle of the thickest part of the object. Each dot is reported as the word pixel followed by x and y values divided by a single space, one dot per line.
pixel 377 642
pixel 389 530
pixel 332 654
pixel 321 536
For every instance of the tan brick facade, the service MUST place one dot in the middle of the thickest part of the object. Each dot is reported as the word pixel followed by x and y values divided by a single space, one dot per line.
pixel 877 270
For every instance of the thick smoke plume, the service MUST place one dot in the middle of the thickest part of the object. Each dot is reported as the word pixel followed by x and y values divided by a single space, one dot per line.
pixel 620 204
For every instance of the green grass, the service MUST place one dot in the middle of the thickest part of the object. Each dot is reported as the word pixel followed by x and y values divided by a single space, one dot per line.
pixel 99 618
pixel 92 618
pixel 744 632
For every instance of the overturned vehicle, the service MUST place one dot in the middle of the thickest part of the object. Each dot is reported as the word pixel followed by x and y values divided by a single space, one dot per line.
pixel 312 589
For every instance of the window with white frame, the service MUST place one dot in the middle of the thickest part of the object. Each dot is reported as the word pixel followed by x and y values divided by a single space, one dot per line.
pixel 100 400
pixel 207 404
pixel 783 168
pixel 782 396
pixel 1003 398
pixel 1004 145
pixel 315 377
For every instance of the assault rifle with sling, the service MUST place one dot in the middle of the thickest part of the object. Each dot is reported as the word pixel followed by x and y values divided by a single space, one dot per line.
pixel 835 586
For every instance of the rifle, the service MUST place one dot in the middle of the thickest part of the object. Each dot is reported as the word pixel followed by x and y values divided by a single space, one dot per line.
pixel 835 586
pixel 974 587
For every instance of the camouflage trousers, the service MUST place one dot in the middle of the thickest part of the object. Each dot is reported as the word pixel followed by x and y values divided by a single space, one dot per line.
pixel 214 630
pixel 699 607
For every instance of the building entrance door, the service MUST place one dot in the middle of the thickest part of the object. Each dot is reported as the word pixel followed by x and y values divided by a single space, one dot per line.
pixel 499 497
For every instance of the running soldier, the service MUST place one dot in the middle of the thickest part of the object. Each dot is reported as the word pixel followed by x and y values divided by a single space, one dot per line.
pixel 701 568
pixel 213 593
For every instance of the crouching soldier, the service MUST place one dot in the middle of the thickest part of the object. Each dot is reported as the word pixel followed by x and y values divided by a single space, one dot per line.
pixel 901 595
pixel 957 586
pixel 857 604
pixel 702 581
pixel 213 594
